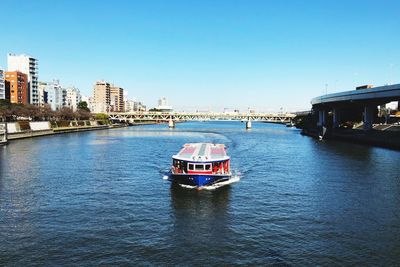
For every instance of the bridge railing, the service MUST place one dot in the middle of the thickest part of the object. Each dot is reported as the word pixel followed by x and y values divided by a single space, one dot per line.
pixel 196 116
pixel 203 114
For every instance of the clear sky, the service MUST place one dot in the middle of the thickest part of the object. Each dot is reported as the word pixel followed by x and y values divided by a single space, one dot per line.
pixel 266 54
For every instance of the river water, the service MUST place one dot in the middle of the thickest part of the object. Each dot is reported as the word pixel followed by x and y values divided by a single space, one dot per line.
pixel 99 198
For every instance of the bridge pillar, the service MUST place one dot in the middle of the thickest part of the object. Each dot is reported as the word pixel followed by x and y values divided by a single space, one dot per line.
pixel 248 124
pixel 171 123
pixel 368 118
pixel 322 114
pixel 336 118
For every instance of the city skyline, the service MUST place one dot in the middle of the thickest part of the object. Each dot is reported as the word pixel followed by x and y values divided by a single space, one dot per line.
pixel 211 55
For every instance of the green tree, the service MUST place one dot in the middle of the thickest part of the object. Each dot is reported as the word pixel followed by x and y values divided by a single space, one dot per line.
pixel 101 116
pixel 83 106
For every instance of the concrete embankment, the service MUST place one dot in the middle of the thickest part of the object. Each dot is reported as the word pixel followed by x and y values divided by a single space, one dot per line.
pixel 387 139
pixel 25 129
pixel 30 133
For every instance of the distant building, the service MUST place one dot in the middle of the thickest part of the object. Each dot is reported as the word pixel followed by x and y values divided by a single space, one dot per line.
pixel 29 66
pixel 139 106
pixel 133 105
pixel 73 98
pixel 56 95
pixel 16 87
pixel 43 99
pixel 129 105
pixel 89 101
pixel 163 105
pixel 2 85
pixel 393 105
pixel 91 104
pixel 116 99
pixel 101 97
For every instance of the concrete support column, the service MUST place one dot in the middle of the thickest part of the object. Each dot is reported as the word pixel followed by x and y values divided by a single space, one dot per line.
pixel 248 124
pixel 368 117
pixel 336 118
pixel 171 123
pixel 322 114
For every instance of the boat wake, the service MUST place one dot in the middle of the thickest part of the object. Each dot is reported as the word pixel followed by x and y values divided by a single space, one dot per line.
pixel 232 180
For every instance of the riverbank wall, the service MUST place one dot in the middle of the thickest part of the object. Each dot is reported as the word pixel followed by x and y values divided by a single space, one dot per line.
pixel 22 130
pixel 375 137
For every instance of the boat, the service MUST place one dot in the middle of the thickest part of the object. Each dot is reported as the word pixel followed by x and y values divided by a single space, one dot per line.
pixel 200 164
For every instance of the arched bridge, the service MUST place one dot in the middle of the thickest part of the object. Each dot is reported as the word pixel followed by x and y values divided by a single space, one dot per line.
pixel 173 117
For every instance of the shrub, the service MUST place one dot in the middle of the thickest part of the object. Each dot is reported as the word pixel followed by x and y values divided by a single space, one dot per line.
pixel 53 124
pixel 24 125
pixel 63 123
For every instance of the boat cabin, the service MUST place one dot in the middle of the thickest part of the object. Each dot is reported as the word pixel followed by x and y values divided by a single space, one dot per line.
pixel 201 158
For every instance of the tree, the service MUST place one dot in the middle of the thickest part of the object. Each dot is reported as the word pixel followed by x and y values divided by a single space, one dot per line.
pixel 65 113
pixel 83 106
pixel 101 116
pixel 4 109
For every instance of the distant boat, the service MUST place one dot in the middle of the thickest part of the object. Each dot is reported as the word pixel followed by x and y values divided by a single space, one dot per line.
pixel 201 164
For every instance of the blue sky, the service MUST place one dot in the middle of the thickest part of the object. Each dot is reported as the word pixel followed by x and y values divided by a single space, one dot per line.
pixel 263 54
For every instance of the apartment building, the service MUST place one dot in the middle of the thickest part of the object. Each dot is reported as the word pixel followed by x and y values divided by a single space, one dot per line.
pixel 116 99
pixel 56 95
pixel 101 97
pixel 73 98
pixel 2 85
pixel 29 66
pixel 16 87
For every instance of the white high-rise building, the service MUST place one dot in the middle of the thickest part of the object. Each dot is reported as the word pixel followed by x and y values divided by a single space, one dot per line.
pixel 29 66
pixel 42 93
pixel 162 102
pixel 73 98
pixel 2 85
pixel 89 101
pixel 56 95
pixel 133 105
pixel 129 105
pixel 163 105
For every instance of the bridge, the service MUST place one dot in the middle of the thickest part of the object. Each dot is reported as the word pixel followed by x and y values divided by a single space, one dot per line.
pixel 173 117
pixel 363 101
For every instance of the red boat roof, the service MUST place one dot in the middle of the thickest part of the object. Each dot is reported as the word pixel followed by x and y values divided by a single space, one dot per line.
pixel 202 152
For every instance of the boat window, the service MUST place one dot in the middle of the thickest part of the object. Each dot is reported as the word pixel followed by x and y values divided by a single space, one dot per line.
pixel 191 167
pixel 208 167
pixel 199 167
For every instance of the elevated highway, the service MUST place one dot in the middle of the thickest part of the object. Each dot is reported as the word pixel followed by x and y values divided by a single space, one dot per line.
pixel 377 95
pixel 363 101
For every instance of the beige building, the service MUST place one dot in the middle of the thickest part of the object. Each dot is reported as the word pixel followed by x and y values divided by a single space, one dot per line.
pixel 117 99
pixel 101 97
